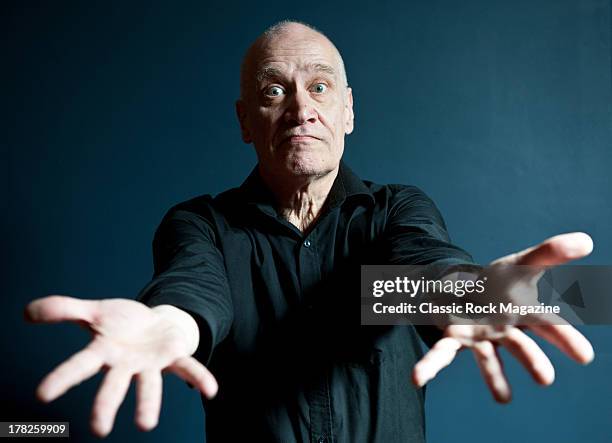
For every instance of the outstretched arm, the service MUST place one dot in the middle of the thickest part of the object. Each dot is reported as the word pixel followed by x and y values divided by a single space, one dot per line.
pixel 184 308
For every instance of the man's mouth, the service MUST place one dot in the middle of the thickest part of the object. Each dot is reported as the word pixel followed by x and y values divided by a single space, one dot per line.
pixel 299 138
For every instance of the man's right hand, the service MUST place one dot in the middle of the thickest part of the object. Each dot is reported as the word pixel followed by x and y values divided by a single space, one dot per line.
pixel 129 340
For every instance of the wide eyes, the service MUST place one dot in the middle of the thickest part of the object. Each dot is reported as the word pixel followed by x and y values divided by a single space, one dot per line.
pixel 319 88
pixel 277 91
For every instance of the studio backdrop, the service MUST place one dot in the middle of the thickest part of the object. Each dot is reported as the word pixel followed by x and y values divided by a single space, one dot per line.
pixel 115 111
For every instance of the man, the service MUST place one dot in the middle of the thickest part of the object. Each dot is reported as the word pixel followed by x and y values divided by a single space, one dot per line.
pixel 260 283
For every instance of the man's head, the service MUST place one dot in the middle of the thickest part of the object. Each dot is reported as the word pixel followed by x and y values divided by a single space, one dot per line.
pixel 295 105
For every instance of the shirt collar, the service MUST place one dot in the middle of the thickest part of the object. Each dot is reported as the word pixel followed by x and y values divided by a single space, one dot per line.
pixel 346 186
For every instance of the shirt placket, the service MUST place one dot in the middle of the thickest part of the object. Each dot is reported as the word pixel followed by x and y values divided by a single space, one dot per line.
pixel 318 393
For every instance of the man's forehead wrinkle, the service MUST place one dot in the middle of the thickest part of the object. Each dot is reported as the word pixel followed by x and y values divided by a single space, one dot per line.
pixel 268 71
pixel 294 52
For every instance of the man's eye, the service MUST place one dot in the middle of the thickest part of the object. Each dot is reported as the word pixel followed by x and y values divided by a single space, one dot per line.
pixel 275 91
pixel 319 88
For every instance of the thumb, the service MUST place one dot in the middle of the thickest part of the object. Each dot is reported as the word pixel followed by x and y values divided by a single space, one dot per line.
pixel 57 308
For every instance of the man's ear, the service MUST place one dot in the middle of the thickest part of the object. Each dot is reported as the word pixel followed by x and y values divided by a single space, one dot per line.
pixel 242 119
pixel 349 122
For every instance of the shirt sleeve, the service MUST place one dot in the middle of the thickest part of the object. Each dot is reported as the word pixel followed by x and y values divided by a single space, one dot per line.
pixel 416 235
pixel 190 275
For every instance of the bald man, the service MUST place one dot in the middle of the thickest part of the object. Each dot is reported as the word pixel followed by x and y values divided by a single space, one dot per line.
pixel 260 284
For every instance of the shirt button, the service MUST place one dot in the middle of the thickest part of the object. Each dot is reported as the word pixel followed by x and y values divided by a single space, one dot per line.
pixel 307 243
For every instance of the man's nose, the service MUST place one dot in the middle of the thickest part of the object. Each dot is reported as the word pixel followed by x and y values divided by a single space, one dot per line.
pixel 300 109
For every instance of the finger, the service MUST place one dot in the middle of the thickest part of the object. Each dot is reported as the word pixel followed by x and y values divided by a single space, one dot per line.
pixel 148 399
pixel 73 371
pixel 568 339
pixel 195 373
pixel 492 370
pixel 531 356
pixel 553 251
pixel 56 308
pixel 108 399
pixel 437 358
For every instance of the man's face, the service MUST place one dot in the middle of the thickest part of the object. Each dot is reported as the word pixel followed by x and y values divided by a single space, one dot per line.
pixel 296 107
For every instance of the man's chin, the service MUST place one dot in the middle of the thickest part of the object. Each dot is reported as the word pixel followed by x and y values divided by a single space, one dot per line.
pixel 309 168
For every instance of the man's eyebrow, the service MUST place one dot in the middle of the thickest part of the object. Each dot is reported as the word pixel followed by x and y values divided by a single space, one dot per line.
pixel 268 72
pixel 322 67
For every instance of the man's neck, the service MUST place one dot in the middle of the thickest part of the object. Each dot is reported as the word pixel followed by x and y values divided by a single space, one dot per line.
pixel 300 199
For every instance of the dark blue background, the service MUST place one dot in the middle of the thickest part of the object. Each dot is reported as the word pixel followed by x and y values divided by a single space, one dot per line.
pixel 113 112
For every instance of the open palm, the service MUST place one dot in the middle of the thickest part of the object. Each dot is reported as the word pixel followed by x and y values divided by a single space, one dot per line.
pixel 129 340
pixel 484 340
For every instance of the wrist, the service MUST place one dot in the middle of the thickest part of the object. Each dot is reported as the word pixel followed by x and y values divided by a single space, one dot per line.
pixel 184 322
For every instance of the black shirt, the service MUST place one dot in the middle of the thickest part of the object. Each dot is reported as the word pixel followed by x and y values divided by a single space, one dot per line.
pixel 279 310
